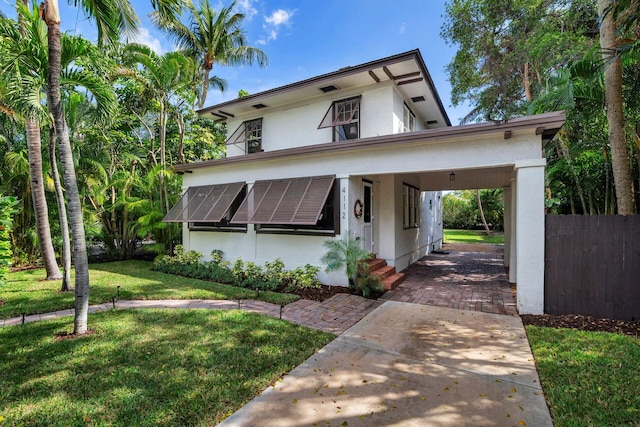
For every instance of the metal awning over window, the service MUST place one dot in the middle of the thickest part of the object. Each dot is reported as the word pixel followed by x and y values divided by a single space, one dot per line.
pixel 208 203
pixel 247 131
pixel 341 113
pixel 296 201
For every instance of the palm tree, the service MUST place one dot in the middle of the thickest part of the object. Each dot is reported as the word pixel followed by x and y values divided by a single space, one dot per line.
pixel 23 51
pixel 213 38
pixel 614 109
pixel 111 18
pixel 166 79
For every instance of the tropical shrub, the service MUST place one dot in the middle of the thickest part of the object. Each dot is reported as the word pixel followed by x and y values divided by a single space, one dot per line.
pixel 345 254
pixel 303 278
pixel 245 274
pixel 367 284
pixel 7 209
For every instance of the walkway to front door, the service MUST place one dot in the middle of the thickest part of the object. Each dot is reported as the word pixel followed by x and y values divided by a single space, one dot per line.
pixel 469 277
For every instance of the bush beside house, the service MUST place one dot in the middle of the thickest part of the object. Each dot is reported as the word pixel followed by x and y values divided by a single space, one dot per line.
pixel 271 277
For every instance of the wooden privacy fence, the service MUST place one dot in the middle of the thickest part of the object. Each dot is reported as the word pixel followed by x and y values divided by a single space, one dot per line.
pixel 592 265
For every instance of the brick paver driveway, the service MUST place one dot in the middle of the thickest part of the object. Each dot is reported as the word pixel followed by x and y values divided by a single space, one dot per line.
pixel 469 277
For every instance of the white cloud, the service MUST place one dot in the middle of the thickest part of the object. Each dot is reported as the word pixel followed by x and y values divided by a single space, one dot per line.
pixel 273 23
pixel 246 7
pixel 403 28
pixel 279 17
pixel 145 37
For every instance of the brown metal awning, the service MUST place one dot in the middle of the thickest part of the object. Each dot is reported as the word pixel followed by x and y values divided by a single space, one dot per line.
pixel 296 201
pixel 207 203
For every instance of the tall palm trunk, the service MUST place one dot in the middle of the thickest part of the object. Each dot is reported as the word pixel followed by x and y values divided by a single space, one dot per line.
pixel 62 214
pixel 52 18
pixel 163 155
pixel 206 71
pixel 620 164
pixel 41 211
pixel 40 208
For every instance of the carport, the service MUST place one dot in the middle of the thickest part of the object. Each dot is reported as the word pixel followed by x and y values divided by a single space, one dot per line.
pixel 507 155
pixel 462 276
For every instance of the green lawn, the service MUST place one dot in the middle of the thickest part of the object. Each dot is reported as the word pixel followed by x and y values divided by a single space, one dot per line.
pixel 146 367
pixel 589 378
pixel 25 292
pixel 472 236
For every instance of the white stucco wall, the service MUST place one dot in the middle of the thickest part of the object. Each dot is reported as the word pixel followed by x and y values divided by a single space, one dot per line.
pixel 411 244
pixel 296 125
pixel 387 167
pixel 431 231
pixel 399 247
pixel 294 250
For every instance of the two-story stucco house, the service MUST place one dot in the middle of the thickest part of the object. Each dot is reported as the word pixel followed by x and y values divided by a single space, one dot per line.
pixel 363 151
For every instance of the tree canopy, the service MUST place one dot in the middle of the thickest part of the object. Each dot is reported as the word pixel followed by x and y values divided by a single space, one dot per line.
pixel 534 56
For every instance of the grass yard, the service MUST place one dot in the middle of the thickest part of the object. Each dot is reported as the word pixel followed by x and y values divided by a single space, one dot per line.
pixel 25 292
pixel 589 378
pixel 146 367
pixel 472 236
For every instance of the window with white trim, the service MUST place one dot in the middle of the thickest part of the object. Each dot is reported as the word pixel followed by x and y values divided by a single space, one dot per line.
pixel 408 120
pixel 410 206
pixel 344 117
pixel 249 135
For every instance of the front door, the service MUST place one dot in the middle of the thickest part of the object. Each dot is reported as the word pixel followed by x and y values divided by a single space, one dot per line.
pixel 367 217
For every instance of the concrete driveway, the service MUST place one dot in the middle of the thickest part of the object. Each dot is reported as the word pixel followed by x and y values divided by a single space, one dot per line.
pixel 411 365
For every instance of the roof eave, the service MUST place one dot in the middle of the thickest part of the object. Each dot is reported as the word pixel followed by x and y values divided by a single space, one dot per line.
pixel 545 125
pixel 260 96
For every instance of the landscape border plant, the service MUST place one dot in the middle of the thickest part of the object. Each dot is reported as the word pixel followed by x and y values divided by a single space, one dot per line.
pixel 25 292
pixel 7 210
pixel 273 277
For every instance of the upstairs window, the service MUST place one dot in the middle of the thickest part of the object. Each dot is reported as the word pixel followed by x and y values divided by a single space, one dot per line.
pixel 408 120
pixel 344 117
pixel 249 135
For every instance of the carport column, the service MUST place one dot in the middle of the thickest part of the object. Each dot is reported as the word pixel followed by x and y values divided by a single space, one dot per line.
pixel 513 256
pixel 530 236
pixel 506 192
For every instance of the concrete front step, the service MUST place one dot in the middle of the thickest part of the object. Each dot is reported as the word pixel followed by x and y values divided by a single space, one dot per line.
pixel 393 281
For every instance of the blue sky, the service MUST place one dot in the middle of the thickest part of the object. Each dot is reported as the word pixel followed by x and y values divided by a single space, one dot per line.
pixel 305 38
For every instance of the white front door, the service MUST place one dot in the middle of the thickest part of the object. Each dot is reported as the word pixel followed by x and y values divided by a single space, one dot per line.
pixel 367 217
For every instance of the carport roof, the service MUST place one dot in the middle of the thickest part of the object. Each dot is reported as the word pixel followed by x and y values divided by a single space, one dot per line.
pixel 546 125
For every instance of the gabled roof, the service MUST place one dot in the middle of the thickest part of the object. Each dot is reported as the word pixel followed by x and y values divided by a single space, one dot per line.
pixel 407 70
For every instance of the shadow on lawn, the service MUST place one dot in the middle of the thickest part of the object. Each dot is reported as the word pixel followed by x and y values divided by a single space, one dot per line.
pixel 146 367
